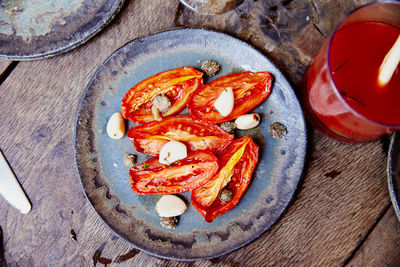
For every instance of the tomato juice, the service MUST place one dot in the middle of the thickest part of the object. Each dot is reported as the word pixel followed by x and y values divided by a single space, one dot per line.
pixel 340 93
pixel 355 68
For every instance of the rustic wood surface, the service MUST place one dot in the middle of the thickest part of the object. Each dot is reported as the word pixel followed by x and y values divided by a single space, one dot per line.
pixel 382 246
pixel 341 213
pixel 4 64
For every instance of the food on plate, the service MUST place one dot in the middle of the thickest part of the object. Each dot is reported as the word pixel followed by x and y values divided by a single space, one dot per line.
pixel 169 222
pixel 170 206
pixel 228 126
pixel 249 90
pixel 247 121
pixel 171 152
pixel 161 104
pixel 237 163
pixel 151 137
pixel 153 177
pixel 187 145
pixel 277 130
pixel 116 126
pixel 210 67
pixel 129 160
pixel 177 85
pixel 226 194
pixel 224 102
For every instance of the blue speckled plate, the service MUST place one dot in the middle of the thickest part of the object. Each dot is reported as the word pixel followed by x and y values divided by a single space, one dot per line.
pixel 32 29
pixel 393 171
pixel 105 179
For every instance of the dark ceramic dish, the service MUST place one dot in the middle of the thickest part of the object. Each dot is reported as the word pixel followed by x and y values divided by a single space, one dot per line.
pixel 393 171
pixel 38 29
pixel 105 179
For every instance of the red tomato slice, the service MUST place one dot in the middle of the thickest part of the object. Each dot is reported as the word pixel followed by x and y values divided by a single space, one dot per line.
pixel 237 164
pixel 152 177
pixel 151 137
pixel 249 90
pixel 177 84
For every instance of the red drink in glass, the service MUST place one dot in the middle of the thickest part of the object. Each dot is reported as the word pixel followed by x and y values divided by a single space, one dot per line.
pixel 340 91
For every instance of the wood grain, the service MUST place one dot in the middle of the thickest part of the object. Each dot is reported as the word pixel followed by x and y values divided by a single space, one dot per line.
pixel 37 123
pixel 329 215
pixel 288 32
pixel 342 195
pixel 382 247
pixel 4 63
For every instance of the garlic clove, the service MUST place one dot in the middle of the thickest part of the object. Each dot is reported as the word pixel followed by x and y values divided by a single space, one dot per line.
pixel 224 102
pixel 247 121
pixel 172 151
pixel 116 126
pixel 170 206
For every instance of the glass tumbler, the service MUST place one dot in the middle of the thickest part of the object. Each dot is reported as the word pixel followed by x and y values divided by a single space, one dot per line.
pixel 340 92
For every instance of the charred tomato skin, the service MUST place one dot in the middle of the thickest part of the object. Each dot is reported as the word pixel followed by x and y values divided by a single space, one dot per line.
pixel 177 84
pixel 153 177
pixel 149 138
pixel 249 90
pixel 240 180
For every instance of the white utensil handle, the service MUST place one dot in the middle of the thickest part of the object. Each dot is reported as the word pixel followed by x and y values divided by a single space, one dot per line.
pixel 10 188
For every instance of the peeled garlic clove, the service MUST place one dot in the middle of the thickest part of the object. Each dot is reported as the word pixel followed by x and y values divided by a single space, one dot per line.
pixel 224 103
pixel 170 206
pixel 247 121
pixel 172 151
pixel 116 126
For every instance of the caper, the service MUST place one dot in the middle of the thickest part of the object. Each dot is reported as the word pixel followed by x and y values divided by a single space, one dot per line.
pixel 210 67
pixel 226 195
pixel 228 126
pixel 277 130
pixel 129 160
pixel 169 222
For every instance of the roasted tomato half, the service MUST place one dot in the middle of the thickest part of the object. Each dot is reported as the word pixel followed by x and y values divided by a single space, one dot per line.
pixel 237 163
pixel 177 85
pixel 151 137
pixel 152 177
pixel 249 90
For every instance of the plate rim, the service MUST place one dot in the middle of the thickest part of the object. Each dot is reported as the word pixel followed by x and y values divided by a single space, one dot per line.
pixel 64 49
pixel 394 197
pixel 304 148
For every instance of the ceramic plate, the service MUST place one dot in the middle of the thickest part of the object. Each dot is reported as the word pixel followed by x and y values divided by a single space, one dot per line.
pixel 105 179
pixel 31 29
pixel 393 170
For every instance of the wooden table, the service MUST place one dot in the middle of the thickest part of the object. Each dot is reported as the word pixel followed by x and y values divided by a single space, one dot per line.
pixel 340 215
